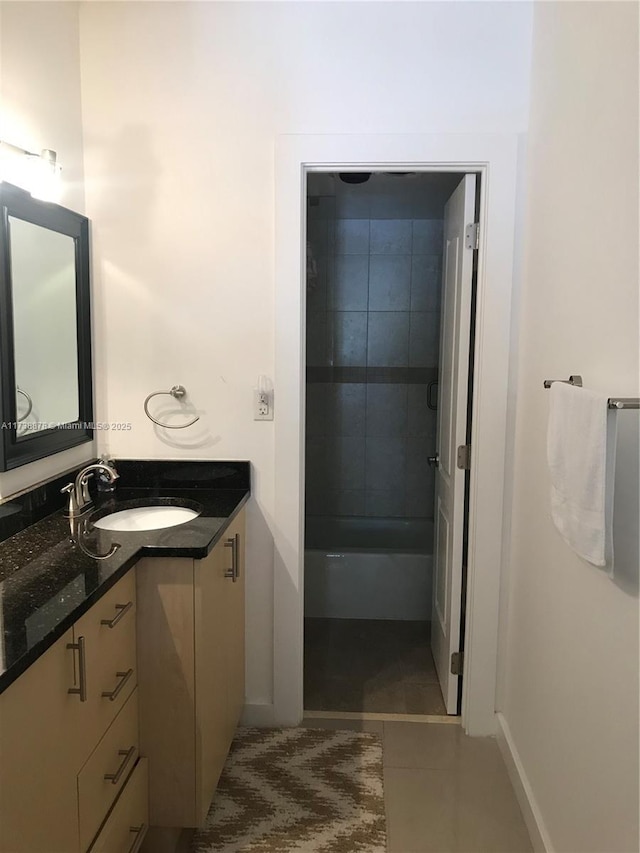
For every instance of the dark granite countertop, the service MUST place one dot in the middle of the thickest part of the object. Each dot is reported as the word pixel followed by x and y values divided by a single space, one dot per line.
pixel 47 581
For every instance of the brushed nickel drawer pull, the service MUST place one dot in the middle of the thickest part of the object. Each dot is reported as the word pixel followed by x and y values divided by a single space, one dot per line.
pixel 231 573
pixel 122 609
pixel 233 543
pixel 137 841
pixel 236 556
pixel 114 778
pixel 81 690
pixel 113 694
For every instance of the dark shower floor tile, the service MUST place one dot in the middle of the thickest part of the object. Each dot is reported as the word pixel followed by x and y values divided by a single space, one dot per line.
pixel 374 666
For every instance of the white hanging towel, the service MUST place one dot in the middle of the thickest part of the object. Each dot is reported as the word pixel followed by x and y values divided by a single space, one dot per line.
pixel 581 447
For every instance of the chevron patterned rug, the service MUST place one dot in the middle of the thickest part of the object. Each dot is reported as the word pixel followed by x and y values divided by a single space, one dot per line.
pixel 298 791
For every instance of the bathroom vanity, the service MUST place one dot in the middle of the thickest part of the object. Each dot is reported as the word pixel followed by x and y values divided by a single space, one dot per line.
pixel 122 678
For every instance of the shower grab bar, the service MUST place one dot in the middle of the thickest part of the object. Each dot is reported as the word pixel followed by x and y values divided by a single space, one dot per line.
pixel 178 392
pixel 612 402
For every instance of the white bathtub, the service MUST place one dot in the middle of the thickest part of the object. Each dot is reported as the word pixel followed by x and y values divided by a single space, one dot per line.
pixel 368 568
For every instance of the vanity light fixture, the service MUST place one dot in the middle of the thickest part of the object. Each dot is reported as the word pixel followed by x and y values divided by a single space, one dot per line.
pixel 39 174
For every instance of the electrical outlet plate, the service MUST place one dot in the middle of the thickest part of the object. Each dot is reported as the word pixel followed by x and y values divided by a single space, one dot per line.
pixel 262 405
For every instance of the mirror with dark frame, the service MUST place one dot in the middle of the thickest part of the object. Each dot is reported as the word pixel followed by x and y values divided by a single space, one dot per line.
pixel 46 400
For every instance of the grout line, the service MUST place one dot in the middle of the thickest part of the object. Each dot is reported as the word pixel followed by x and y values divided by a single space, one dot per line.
pixel 390 718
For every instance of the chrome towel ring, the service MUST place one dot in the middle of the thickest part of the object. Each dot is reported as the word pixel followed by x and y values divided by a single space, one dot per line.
pixel 178 391
pixel 29 403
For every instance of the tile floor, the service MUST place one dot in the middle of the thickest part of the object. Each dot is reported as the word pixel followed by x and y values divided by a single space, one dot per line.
pixel 375 666
pixel 444 792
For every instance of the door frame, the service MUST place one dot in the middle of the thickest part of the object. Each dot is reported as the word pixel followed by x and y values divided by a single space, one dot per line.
pixel 495 157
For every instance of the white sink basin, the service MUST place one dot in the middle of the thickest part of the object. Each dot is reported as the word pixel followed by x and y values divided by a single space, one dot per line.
pixel 146 518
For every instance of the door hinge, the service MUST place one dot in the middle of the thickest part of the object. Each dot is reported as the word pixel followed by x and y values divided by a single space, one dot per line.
pixel 472 236
pixel 464 457
pixel 457 662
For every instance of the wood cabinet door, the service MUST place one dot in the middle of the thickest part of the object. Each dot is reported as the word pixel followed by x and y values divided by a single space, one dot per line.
pixel 219 637
pixel 235 628
pixel 191 652
pixel 212 742
pixel 39 719
pixel 166 687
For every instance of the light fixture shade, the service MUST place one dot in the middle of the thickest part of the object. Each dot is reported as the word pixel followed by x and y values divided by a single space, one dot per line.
pixel 38 174
pixel 45 178
pixel 49 156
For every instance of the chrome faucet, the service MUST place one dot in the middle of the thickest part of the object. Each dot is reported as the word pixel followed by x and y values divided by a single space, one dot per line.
pixel 78 491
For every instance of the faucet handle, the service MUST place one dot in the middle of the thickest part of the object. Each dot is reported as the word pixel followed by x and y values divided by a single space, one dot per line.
pixel 72 508
pixel 86 497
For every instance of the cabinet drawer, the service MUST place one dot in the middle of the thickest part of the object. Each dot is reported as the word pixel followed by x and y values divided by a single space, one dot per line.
pixel 128 822
pixel 109 632
pixel 38 767
pixel 106 771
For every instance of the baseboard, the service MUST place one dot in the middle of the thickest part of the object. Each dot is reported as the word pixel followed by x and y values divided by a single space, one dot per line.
pixel 522 787
pixel 260 715
pixel 389 718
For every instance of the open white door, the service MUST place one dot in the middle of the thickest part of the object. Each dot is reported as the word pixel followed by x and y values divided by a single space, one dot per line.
pixel 455 328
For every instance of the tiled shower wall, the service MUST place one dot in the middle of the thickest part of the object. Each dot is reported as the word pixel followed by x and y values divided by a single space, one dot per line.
pixel 373 310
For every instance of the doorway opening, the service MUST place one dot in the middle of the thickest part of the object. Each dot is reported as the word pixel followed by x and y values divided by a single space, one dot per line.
pixel 391 271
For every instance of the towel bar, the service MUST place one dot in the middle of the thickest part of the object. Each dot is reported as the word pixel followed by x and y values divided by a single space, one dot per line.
pixel 574 379
pixel 624 402
pixel 612 402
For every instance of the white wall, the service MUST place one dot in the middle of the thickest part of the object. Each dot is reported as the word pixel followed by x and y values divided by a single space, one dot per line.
pixel 40 108
pixel 182 103
pixel 570 686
